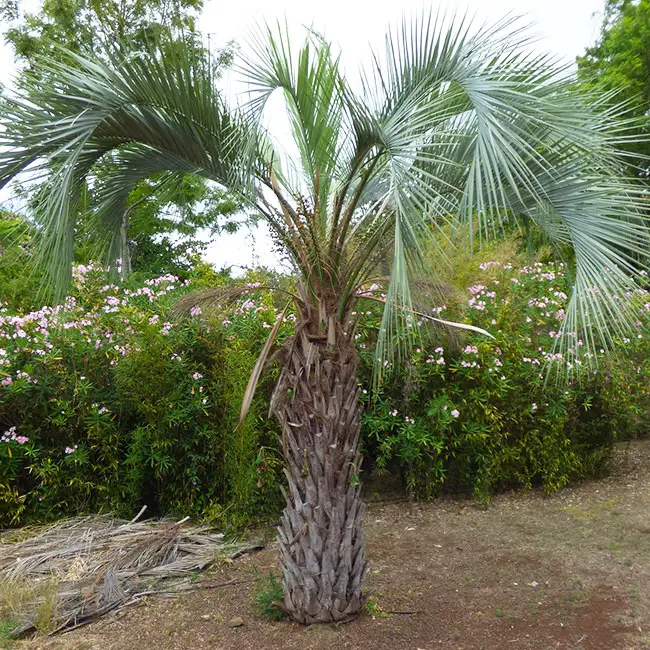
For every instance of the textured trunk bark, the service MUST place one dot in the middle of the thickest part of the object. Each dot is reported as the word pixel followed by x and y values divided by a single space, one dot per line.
pixel 321 535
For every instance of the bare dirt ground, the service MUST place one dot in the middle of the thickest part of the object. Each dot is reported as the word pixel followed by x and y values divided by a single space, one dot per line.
pixel 567 572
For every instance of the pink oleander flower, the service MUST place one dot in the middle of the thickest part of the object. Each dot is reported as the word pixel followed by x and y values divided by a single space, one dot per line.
pixel 11 436
pixel 468 364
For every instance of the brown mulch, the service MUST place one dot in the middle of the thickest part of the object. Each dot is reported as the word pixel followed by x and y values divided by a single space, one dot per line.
pixel 567 572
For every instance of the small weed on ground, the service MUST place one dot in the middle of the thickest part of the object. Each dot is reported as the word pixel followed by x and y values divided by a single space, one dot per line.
pixel 267 591
pixel 374 608
pixel 6 627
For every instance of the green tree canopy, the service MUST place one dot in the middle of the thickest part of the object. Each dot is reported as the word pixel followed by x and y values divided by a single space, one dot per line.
pixel 98 26
pixel 620 63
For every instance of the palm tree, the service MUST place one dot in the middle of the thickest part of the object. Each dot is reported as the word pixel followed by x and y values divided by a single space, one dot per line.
pixel 449 127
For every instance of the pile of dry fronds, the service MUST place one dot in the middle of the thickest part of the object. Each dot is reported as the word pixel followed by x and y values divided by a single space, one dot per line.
pixel 82 568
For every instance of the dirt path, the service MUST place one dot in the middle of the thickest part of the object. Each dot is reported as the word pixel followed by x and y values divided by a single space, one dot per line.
pixel 570 572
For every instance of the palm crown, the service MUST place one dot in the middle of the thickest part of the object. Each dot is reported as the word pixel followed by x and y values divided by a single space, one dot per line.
pixel 451 127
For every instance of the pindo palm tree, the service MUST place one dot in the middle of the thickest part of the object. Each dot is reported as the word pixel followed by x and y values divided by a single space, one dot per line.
pixel 449 127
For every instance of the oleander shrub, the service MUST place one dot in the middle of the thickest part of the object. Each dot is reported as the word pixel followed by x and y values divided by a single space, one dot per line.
pixel 107 402
pixel 485 414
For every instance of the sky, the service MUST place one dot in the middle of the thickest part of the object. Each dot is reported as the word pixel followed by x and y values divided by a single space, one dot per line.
pixel 562 27
pixel 565 27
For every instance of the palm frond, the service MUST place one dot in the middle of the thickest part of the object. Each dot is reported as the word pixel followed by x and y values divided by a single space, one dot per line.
pixel 479 130
pixel 454 127
pixel 219 300
pixel 160 117
pixel 251 386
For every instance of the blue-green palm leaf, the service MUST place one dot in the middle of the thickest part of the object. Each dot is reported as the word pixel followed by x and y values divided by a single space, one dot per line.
pixel 449 127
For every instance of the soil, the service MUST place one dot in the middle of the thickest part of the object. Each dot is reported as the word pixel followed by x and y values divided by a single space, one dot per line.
pixel 566 572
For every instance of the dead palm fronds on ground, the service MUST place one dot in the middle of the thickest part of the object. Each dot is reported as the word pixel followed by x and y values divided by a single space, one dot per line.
pixel 82 568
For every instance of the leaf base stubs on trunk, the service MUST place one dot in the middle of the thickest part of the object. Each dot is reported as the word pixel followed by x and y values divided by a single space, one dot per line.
pixel 321 536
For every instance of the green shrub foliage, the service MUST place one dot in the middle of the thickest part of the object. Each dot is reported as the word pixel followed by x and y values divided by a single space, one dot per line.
pixel 108 403
pixel 487 414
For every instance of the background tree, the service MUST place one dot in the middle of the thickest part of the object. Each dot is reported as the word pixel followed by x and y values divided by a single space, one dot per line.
pixel 619 63
pixel 85 26
pixel 165 213
pixel 451 128
pixel 18 290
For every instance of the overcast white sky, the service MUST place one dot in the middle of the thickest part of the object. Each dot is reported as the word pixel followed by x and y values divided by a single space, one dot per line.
pixel 564 27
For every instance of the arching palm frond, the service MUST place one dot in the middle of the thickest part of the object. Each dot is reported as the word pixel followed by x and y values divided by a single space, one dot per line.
pixel 451 126
pixel 152 116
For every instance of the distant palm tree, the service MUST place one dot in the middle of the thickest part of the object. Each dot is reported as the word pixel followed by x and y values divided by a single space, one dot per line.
pixel 448 127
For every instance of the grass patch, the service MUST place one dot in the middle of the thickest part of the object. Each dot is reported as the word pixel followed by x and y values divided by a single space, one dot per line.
pixel 22 601
pixel 7 625
pixel 266 592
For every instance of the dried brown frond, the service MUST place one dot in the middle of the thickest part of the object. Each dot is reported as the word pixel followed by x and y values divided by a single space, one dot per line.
pixel 220 300
pixel 260 364
pixel 216 300
pixel 425 292
pixel 80 569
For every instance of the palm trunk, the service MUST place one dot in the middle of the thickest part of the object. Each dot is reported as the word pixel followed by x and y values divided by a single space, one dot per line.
pixel 321 535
